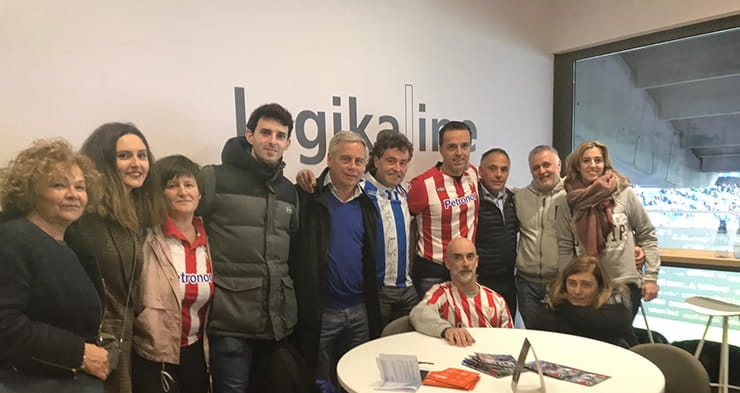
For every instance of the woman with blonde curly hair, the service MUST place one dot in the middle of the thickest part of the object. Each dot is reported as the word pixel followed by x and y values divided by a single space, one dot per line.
pixel 50 300
pixel 602 217
pixel 583 301
pixel 114 232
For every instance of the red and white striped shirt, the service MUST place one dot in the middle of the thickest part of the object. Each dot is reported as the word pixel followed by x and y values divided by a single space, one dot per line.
pixel 445 208
pixel 486 309
pixel 195 275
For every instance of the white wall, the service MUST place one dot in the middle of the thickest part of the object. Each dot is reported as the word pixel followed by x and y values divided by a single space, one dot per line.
pixel 171 66
pixel 585 23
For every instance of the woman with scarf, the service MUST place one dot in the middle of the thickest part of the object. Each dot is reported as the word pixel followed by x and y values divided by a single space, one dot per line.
pixel 602 217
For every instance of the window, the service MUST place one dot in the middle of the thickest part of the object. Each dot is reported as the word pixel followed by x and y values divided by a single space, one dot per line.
pixel 668 107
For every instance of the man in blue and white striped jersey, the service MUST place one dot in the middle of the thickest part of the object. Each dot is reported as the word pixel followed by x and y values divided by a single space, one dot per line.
pixel 386 170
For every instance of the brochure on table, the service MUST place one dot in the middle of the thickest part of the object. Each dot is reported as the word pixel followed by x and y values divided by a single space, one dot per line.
pixel 398 373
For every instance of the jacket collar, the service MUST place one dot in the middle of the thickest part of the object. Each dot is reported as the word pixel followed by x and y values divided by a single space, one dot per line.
pixel 238 152
pixel 558 187
pixel 170 230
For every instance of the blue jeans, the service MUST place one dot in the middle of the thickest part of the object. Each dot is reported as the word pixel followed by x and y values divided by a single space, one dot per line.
pixel 341 330
pixel 530 297
pixel 231 361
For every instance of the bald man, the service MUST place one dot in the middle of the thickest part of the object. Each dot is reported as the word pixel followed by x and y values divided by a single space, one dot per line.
pixel 450 307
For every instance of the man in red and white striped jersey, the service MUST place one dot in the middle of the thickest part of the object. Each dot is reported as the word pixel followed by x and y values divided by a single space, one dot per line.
pixel 450 307
pixel 444 201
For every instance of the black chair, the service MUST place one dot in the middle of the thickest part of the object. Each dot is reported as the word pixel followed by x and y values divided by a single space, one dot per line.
pixel 644 338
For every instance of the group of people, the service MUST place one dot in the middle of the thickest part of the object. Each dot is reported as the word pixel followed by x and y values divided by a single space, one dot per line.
pixel 122 273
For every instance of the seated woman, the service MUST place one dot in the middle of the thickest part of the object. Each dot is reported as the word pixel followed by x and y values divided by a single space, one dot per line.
pixel 582 301
pixel 50 299
pixel 175 290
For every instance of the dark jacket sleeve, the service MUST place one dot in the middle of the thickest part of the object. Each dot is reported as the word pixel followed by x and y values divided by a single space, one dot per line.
pixel 550 320
pixel 307 274
pixel 369 249
pixel 21 338
pixel 207 184
pixel 609 320
pixel 610 323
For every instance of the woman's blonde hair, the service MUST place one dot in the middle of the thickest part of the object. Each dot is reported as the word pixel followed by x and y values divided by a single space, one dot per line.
pixel 573 162
pixel 558 290
pixel 20 179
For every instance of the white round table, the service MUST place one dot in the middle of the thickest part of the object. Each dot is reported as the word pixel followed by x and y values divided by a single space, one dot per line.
pixel 358 371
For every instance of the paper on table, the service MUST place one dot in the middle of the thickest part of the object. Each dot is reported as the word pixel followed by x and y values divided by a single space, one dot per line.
pixel 398 372
pixel 526 346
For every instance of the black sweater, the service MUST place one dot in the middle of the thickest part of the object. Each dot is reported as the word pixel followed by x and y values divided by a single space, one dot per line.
pixel 49 306
pixel 610 323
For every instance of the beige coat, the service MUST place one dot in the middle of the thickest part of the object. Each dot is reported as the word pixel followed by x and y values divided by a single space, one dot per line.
pixel 158 310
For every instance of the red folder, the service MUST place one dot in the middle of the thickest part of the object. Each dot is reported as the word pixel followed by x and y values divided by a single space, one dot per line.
pixel 453 378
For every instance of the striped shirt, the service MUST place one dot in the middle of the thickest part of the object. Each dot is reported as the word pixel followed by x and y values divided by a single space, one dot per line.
pixel 485 309
pixel 394 225
pixel 194 273
pixel 445 208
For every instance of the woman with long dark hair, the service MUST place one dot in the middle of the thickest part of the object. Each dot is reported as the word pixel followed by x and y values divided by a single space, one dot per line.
pixel 113 233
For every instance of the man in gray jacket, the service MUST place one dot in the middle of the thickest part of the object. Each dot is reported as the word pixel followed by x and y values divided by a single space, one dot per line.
pixel 250 212
pixel 536 209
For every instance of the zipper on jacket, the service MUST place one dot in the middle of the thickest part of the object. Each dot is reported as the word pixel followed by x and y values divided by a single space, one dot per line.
pixel 542 233
pixel 48 363
pixel 99 338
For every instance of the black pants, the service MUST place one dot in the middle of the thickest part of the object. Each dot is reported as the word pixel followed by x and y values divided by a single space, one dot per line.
pixel 190 376
pixel 425 273
pixel 635 298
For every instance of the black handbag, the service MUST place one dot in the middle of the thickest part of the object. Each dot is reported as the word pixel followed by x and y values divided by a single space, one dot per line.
pixel 12 381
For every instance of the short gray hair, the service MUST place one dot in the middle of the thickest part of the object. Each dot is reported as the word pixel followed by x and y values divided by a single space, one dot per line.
pixel 346 136
pixel 539 149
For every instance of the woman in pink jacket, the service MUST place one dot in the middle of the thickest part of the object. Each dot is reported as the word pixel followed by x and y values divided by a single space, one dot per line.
pixel 175 290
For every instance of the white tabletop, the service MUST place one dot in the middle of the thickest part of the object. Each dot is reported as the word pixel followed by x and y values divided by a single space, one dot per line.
pixel 629 372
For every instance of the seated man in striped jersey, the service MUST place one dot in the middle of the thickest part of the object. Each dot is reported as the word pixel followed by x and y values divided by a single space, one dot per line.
pixel 450 307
